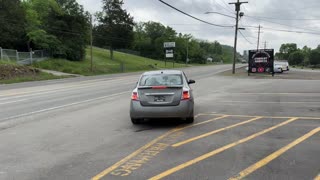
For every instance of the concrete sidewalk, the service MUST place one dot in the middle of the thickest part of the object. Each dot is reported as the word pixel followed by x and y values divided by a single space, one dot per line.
pixel 57 73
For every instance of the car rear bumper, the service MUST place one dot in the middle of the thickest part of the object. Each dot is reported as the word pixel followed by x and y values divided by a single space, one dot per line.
pixel 183 110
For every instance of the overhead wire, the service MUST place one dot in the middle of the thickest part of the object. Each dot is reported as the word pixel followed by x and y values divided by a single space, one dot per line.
pixel 284 19
pixel 245 38
pixel 227 8
pixel 281 24
pixel 206 22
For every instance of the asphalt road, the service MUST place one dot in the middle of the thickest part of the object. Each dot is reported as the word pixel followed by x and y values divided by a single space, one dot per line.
pixel 79 128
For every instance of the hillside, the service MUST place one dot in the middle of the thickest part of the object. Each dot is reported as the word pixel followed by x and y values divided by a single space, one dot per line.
pixel 10 72
pixel 102 64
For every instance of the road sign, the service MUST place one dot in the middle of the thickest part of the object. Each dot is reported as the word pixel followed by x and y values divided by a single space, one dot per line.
pixel 169 44
pixel 261 61
pixel 169 53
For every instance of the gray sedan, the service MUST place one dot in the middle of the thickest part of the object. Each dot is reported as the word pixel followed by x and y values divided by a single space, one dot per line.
pixel 162 94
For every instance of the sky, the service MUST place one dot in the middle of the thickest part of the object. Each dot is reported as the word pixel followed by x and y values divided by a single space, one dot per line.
pixel 301 17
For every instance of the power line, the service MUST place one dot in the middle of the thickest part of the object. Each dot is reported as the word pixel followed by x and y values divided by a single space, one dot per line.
pixel 281 24
pixel 284 30
pixel 227 8
pixel 218 25
pixel 245 37
pixel 284 19
pixel 300 32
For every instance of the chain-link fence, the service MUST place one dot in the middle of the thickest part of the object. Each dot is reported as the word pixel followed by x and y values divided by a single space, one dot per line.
pixel 25 58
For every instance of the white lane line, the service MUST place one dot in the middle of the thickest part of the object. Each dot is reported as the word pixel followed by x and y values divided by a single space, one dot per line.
pixel 293 94
pixel 273 102
pixel 69 86
pixel 10 102
pixel 62 106
pixel 66 89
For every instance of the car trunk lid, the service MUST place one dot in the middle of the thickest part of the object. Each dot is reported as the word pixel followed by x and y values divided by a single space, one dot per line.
pixel 160 95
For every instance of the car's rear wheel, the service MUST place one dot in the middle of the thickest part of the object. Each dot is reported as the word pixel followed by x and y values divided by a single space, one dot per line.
pixel 136 120
pixel 189 120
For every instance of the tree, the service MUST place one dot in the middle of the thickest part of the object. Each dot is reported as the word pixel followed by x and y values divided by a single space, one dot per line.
pixel 115 24
pixel 314 57
pixel 71 27
pixel 286 49
pixel 306 52
pixel 37 12
pixel 296 58
pixel 12 24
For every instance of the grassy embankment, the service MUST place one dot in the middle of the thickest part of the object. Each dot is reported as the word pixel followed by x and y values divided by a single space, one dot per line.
pixel 102 64
pixel 10 72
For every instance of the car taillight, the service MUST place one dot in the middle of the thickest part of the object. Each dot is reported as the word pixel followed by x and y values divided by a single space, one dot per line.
pixel 185 95
pixel 135 96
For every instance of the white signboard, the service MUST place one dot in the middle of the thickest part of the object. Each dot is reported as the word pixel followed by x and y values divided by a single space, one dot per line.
pixel 169 53
pixel 169 44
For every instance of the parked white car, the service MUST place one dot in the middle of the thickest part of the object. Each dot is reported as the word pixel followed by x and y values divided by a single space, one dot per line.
pixel 277 68
pixel 284 64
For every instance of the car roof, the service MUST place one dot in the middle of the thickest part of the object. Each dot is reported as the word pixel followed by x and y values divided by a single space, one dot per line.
pixel 163 72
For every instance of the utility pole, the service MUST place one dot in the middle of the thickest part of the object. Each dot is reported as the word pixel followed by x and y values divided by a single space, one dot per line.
pixel 187 58
pixel 258 37
pixel 237 9
pixel 265 44
pixel 91 42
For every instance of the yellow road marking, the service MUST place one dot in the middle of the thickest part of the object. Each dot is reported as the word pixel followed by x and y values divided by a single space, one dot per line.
pixel 317 177
pixel 214 132
pixel 204 122
pixel 146 146
pixel 274 155
pixel 219 150
pixel 276 117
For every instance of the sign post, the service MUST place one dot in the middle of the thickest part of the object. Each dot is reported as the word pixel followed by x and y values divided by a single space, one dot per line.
pixel 261 61
pixel 169 51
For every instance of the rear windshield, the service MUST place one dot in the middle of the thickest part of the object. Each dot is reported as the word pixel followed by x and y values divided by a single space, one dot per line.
pixel 161 80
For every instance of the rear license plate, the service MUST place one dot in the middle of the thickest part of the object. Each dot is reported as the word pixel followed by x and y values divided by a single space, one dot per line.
pixel 159 99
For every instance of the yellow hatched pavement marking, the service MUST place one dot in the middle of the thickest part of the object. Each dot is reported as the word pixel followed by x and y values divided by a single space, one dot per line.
pixel 219 150
pixel 273 156
pixel 146 146
pixel 214 132
pixel 275 117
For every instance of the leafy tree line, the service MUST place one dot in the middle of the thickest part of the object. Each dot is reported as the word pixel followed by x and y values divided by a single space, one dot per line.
pixel 63 28
pixel 59 26
pixel 305 56
pixel 147 38
pixel 116 29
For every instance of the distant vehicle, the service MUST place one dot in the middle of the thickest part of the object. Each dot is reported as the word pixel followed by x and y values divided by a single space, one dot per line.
pixel 243 61
pixel 284 64
pixel 277 68
pixel 162 94
pixel 209 60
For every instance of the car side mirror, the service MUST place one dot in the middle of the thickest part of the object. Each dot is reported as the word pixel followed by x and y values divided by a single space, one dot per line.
pixel 191 81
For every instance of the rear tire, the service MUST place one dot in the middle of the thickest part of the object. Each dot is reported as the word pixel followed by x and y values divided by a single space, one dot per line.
pixel 136 120
pixel 189 120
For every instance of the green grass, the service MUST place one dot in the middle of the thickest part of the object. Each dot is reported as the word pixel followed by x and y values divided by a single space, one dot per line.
pixel 305 67
pixel 7 62
pixel 102 64
pixel 39 77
